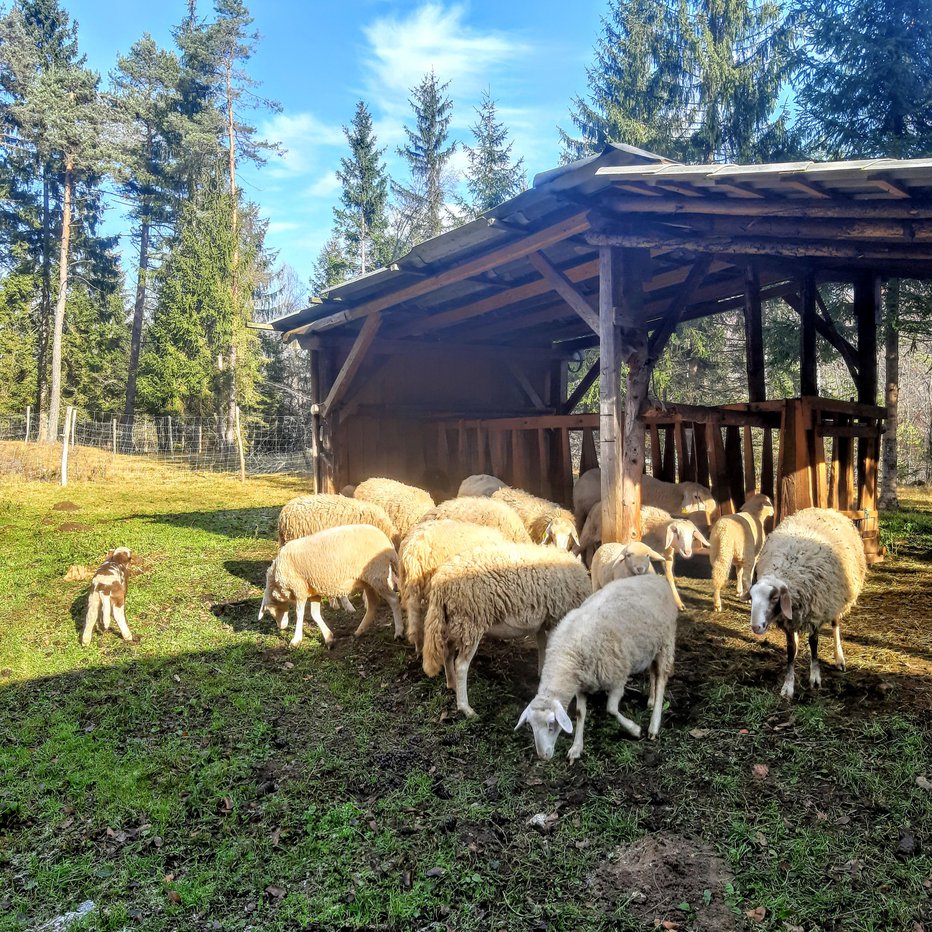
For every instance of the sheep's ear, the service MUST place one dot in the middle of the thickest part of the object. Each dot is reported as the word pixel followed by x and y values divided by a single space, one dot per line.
pixel 654 555
pixel 523 718
pixel 671 533
pixel 786 604
pixel 701 538
pixel 563 720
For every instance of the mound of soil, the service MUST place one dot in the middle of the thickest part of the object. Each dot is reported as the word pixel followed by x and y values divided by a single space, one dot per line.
pixel 65 506
pixel 73 526
pixel 660 872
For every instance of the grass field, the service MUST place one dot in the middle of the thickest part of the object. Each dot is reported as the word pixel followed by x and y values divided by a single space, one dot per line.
pixel 208 777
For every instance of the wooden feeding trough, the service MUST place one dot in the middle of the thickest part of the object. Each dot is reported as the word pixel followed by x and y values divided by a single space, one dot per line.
pixel 454 360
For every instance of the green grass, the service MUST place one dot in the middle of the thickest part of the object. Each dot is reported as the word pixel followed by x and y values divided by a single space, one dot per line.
pixel 209 777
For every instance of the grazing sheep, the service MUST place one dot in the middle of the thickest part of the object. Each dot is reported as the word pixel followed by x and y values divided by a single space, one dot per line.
pixel 625 628
pixel 678 498
pixel 428 546
pixel 309 514
pixel 671 536
pixel 485 511
pixel 481 486
pixel 619 561
pixel 404 504
pixel 546 522
pixel 810 571
pixel 503 591
pixel 737 539
pixel 331 564
pixel 586 493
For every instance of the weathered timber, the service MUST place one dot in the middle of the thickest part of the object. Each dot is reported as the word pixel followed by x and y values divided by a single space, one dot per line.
pixel 417 347
pixel 564 288
pixel 585 383
pixel 867 312
pixel 754 335
pixel 668 466
pixel 354 360
pixel 525 383
pixel 808 363
pixel 766 464
pixel 826 329
pixel 676 309
pixel 732 415
pixel 750 477
pixel 610 413
pixel 588 458
pixel 734 465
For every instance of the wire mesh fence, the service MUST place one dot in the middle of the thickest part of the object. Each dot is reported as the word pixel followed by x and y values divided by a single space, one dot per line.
pixel 100 445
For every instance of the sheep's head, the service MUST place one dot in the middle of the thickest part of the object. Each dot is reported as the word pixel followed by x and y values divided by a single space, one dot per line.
pixel 546 717
pixel 634 560
pixel 770 600
pixel 274 600
pixel 561 534
pixel 758 505
pixel 697 498
pixel 682 536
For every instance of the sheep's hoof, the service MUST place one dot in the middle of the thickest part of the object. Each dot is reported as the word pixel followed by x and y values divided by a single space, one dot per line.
pixel 787 692
pixel 652 735
pixel 469 712
pixel 85 642
pixel 716 608
pixel 815 681
pixel 282 625
pixel 294 642
pixel 841 666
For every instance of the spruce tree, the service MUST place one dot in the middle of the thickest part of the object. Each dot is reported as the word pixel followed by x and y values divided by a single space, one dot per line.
pixel 492 177
pixel 361 221
pixel 427 153
pixel 332 266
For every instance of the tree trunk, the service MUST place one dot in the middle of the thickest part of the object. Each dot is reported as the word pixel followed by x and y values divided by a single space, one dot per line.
pixel 59 323
pixel 234 277
pixel 138 313
pixel 888 477
pixel 45 307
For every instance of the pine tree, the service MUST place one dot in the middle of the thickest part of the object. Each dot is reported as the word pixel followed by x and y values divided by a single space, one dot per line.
pixel 492 177
pixel 143 98
pixel 865 90
pixel 693 80
pixel 361 222
pixel 332 266
pixel 428 155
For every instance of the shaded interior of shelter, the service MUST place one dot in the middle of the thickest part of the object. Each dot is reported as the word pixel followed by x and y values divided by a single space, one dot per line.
pixel 453 361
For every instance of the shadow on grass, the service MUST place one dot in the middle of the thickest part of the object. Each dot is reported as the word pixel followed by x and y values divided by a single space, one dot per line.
pixel 252 571
pixel 230 522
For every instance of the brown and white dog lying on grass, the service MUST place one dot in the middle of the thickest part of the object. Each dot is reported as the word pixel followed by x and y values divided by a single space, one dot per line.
pixel 108 595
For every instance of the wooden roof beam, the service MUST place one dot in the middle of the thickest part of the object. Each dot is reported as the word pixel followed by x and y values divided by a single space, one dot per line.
pixel 826 329
pixel 676 309
pixel 351 366
pixel 564 288
pixel 890 187
pixel 583 386
pixel 807 187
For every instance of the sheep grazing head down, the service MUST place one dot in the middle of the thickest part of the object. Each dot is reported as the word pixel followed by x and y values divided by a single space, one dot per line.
pixel 274 601
pixel 562 535
pixel 770 598
pixel 547 718
pixel 680 536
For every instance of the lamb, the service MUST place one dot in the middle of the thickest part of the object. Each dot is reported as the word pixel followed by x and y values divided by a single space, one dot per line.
pixel 107 597
pixel 309 514
pixel 619 561
pixel 586 492
pixel 428 546
pixel 625 628
pixel 331 564
pixel 404 504
pixel 671 536
pixel 485 511
pixel 546 522
pixel 481 485
pixel 678 498
pixel 503 591
pixel 810 571
pixel 737 539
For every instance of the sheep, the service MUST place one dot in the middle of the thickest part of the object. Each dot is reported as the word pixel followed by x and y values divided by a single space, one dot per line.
pixel 586 492
pixel 481 485
pixel 678 498
pixel 332 563
pixel 485 511
pixel 590 537
pixel 737 539
pixel 348 490
pixel 546 522
pixel 810 571
pixel 423 551
pixel 619 561
pixel 503 591
pixel 309 514
pixel 625 628
pixel 404 504
pixel 670 536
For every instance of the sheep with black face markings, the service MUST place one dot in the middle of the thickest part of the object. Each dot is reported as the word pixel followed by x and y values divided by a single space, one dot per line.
pixel 626 627
pixel 809 572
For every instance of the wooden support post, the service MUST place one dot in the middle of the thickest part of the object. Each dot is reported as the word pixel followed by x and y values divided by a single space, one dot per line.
pixel 667 470
pixel 588 458
pixel 735 465
pixel 611 427
pixel 171 442
pixel 113 431
pixel 750 474
pixel 754 336
pixel 354 361
pixel 867 311
pixel 718 469
pixel 766 464
pixel 74 426
pixel 701 446
pixel 795 482
pixel 66 436
pixel 808 368
pixel 239 445
pixel 28 422
pixel 656 456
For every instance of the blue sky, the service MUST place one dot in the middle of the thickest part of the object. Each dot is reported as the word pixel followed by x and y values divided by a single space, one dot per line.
pixel 318 58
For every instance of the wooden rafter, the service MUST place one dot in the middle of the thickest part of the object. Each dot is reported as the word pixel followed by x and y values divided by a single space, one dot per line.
pixel 676 309
pixel 826 329
pixel 352 364
pixel 526 386
pixel 564 288
pixel 886 185
pixel 584 384
pixel 807 187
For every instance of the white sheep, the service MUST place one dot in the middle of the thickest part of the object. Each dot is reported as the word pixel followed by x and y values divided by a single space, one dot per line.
pixel 671 536
pixel 586 492
pixel 481 485
pixel 738 539
pixel 809 572
pixel 485 511
pixel 499 591
pixel 590 537
pixel 331 564
pixel 428 546
pixel 619 561
pixel 309 514
pixel 678 498
pixel 625 628
pixel 546 522
pixel 404 504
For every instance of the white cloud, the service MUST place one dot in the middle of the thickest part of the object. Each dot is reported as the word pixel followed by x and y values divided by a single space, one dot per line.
pixel 281 226
pixel 326 186
pixel 303 136
pixel 403 49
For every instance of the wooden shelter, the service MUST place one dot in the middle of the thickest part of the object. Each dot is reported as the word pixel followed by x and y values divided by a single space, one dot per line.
pixel 454 360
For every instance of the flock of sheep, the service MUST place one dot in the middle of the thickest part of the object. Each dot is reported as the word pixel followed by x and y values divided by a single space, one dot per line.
pixel 499 562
